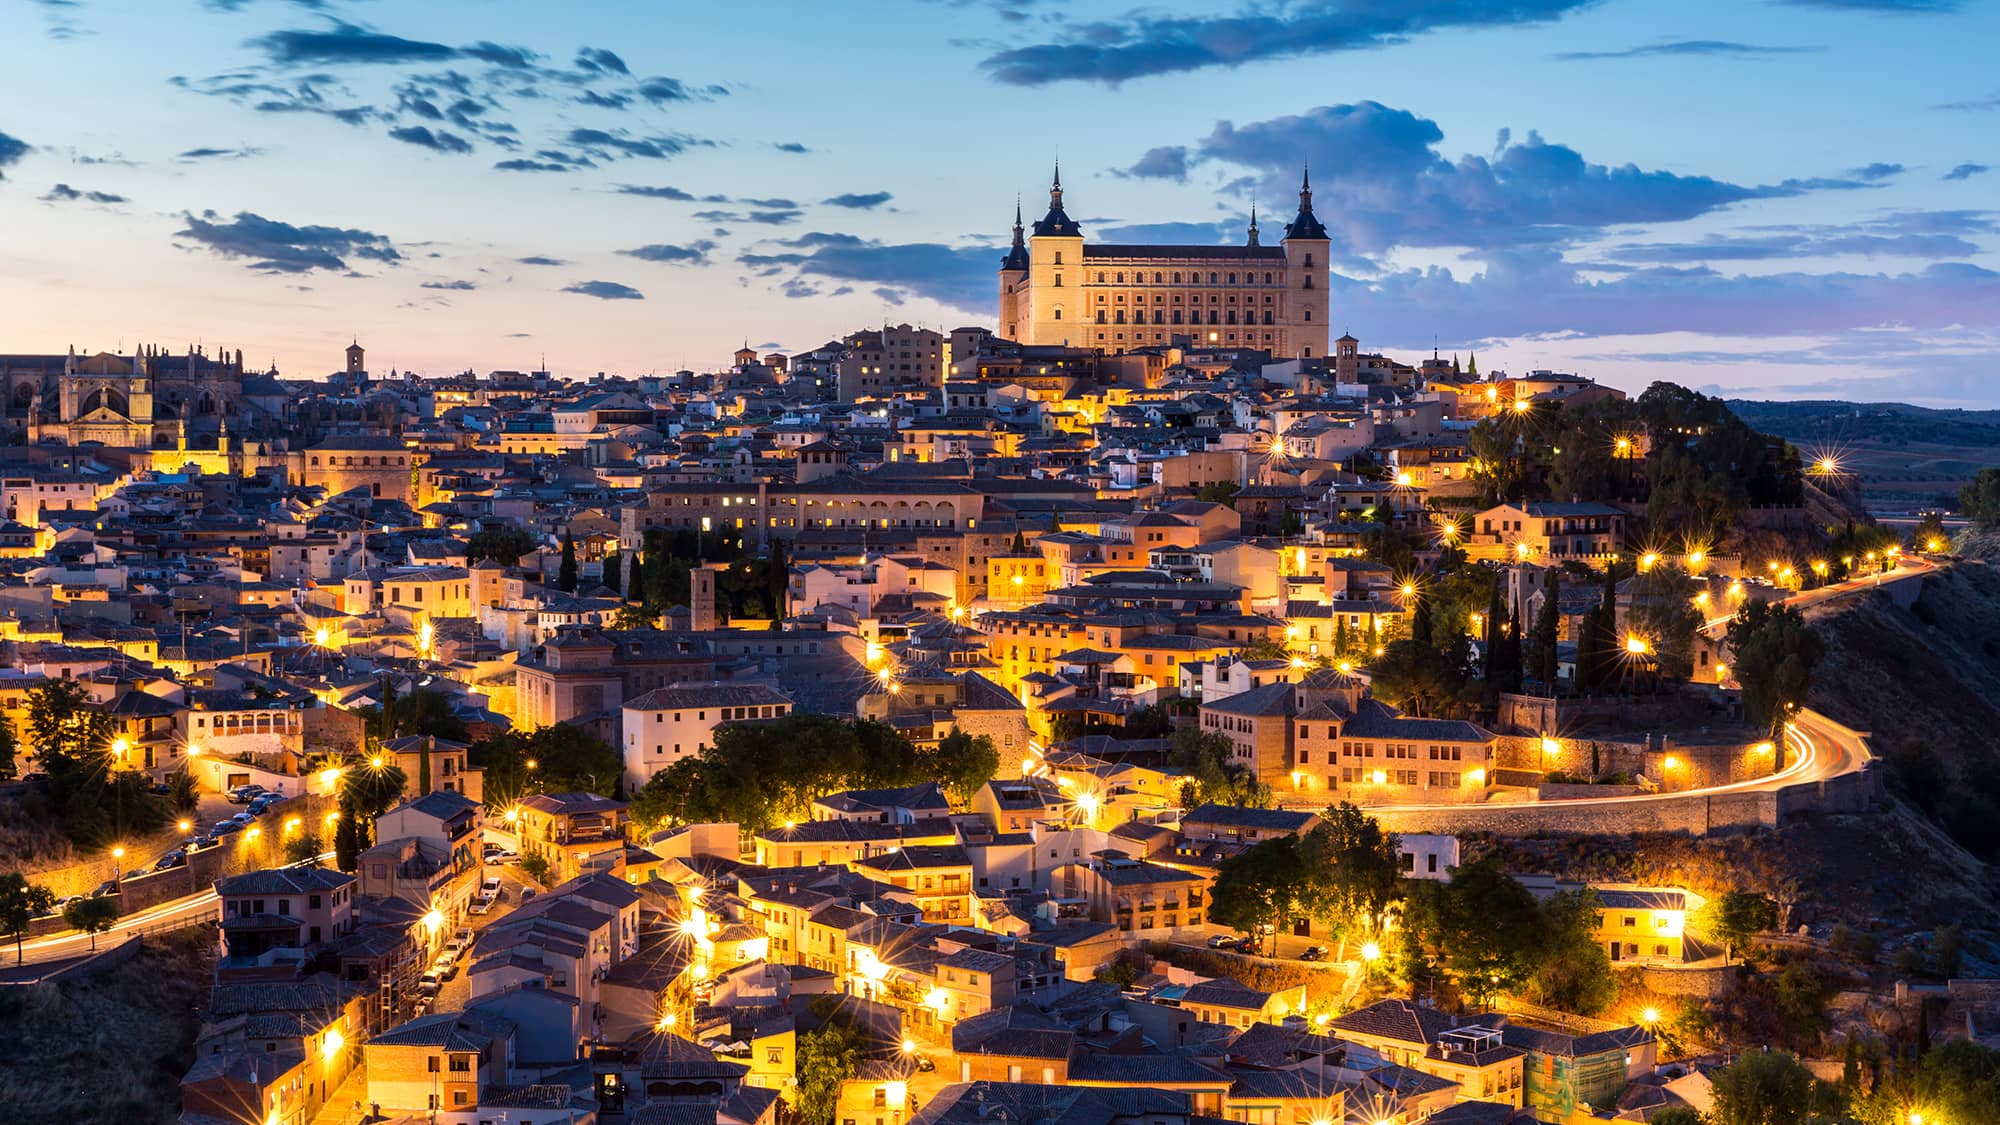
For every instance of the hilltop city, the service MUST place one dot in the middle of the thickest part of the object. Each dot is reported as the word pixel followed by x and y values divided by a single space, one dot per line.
pixel 1151 706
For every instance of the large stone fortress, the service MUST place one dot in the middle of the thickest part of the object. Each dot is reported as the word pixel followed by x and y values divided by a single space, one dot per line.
pixel 151 399
pixel 1055 289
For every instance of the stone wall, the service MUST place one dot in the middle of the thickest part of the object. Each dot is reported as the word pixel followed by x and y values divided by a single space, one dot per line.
pixel 1705 982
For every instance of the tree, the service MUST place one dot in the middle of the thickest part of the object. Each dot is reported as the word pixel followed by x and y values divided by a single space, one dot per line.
pixel 536 866
pixel 1412 675
pixel 1677 1115
pixel 93 916
pixel 1259 886
pixel 1483 927
pixel 1574 970
pixel 1542 644
pixel 1211 773
pixel 827 1058
pixel 635 583
pixel 614 571
pixel 1264 648
pixel 1955 1081
pixel 367 791
pixel 68 732
pixel 1662 611
pixel 303 849
pixel 346 839
pixel 183 794
pixel 1762 1088
pixel 566 759
pixel 963 763
pixel 1354 867
pixel 504 545
pixel 1734 917
pixel 8 748
pixel 566 576
pixel 760 775
pixel 1219 492
pixel 1979 501
pixel 1773 654
pixel 21 902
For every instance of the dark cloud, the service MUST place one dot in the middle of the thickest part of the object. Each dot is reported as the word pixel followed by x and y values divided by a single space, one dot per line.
pixel 790 146
pixel 796 288
pixel 762 218
pixel 12 149
pixel 346 43
pixel 63 193
pixel 609 144
pixel 1167 162
pixel 518 165
pixel 458 286
pixel 605 291
pixel 1876 171
pixel 662 192
pixel 599 59
pixel 541 260
pixel 277 247
pixel 1144 44
pixel 1382 182
pixel 1972 104
pixel 953 275
pixel 1680 47
pixel 859 201
pixel 242 153
pixel 692 254
pixel 437 141
pixel 1967 171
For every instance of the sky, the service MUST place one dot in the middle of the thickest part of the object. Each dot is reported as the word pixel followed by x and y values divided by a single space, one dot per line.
pixel 1768 198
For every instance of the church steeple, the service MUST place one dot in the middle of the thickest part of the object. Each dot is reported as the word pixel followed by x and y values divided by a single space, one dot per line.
pixel 1253 224
pixel 1017 255
pixel 1056 222
pixel 1307 225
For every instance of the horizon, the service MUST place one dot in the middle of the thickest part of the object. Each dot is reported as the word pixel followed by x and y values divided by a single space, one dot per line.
pixel 476 188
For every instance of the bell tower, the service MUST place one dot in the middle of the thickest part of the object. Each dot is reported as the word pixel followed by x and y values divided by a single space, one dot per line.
pixel 357 359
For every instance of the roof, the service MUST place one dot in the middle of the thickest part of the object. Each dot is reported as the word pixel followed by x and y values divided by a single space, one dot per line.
pixel 283 880
pixel 678 696
pixel 470 1030
pixel 1399 1020
pixel 1237 816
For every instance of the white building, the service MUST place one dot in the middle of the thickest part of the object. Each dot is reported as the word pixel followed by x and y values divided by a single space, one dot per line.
pixel 670 723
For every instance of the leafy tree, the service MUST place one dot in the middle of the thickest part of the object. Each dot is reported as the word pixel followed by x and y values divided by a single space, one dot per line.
pixel 504 545
pixel 21 902
pixel 1734 917
pixel 303 849
pixel 366 792
pixel 8 748
pixel 68 732
pixel 1677 1115
pixel 1956 1081
pixel 1930 534
pixel 828 1057
pixel 1355 869
pixel 1979 501
pixel 536 866
pixel 566 573
pixel 93 916
pixel 1211 773
pixel 764 774
pixel 1574 970
pixel 1762 1088
pixel 183 793
pixel 963 763
pixel 1264 648
pixel 566 759
pixel 1412 675
pixel 1483 927
pixel 1662 611
pixel 1801 995
pixel 1262 885
pixel 1773 653
pixel 1220 492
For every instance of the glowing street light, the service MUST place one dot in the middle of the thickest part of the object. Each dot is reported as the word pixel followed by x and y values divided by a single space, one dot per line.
pixel 1650 1016
pixel 434 921
pixel 1404 479
pixel 1370 952
pixel 513 815
pixel 186 826
pixel 1636 645
pixel 1649 560
pixel 330 1047
pixel 909 1046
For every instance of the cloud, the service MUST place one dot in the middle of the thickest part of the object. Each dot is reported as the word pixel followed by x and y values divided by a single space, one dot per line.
pixel 960 276
pixel 1144 44
pixel 12 149
pixel 793 147
pixel 1683 47
pixel 278 247
pixel 63 193
pixel 647 192
pixel 1876 171
pixel 1382 182
pixel 346 43
pixel 439 141
pixel 764 218
pixel 541 260
pixel 860 201
pixel 609 144
pixel 693 254
pixel 1167 162
pixel 605 291
pixel 458 286
pixel 242 153
pixel 1972 104
pixel 1182 234
pixel 599 59
pixel 1967 171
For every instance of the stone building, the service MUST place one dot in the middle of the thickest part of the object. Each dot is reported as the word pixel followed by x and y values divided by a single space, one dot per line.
pixel 1057 290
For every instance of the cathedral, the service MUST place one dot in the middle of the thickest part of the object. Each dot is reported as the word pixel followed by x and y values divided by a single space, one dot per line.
pixel 151 399
pixel 1056 289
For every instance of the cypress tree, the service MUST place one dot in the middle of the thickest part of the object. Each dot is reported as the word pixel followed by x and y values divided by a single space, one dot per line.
pixel 566 575
pixel 1420 621
pixel 635 590
pixel 614 571
pixel 1341 641
pixel 1490 634
pixel 1542 638
pixel 346 839
pixel 1511 678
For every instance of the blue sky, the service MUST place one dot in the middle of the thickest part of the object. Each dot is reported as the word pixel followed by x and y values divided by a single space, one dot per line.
pixel 1791 198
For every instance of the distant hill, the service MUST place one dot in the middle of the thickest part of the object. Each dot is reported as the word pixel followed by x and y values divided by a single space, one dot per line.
pixel 1902 456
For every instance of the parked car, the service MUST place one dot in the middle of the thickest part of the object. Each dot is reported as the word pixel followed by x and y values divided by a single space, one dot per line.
pixel 1314 953
pixel 107 887
pixel 244 794
pixel 242 819
pixel 429 984
pixel 259 804
pixel 479 906
pixel 924 1063
pixel 171 860
pixel 63 902
pixel 503 856
pixel 1246 944
pixel 1223 941
pixel 490 886
pixel 161 789
pixel 226 828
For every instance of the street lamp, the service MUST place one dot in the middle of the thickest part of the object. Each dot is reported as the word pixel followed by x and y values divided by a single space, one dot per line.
pixel 117 858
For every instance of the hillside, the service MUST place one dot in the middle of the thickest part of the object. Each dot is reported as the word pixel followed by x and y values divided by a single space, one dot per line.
pixel 109 1047
pixel 1903 455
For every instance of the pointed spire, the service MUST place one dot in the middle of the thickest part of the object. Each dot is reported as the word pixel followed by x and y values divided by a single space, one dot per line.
pixel 1253 222
pixel 1055 189
pixel 1017 255
pixel 1307 225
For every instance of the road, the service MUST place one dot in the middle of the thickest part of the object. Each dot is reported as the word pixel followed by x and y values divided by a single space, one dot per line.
pixel 1805 599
